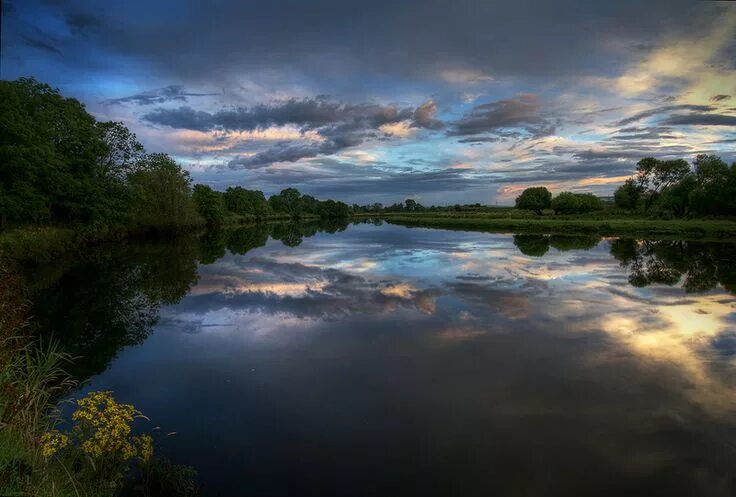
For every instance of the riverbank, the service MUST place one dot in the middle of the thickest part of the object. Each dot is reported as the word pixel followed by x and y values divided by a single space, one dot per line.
pixel 41 244
pixel 722 229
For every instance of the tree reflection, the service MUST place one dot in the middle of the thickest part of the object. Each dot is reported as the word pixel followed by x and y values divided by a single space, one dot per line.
pixel 701 266
pixel 293 234
pixel 112 297
pixel 538 245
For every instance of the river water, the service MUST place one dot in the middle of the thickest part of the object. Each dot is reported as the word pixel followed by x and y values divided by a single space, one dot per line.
pixel 380 360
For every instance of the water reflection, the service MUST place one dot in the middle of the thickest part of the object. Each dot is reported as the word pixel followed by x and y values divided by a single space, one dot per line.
pixel 701 266
pixel 375 360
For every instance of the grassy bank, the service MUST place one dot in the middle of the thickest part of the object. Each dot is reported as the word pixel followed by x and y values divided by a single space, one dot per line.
pixel 93 454
pixel 604 226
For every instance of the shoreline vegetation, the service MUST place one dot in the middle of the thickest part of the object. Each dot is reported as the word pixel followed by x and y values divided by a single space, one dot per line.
pixel 42 244
pixel 68 181
pixel 93 453
pixel 700 229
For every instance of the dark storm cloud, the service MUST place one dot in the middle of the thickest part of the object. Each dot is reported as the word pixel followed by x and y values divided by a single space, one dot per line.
pixel 701 120
pixel 662 110
pixel 517 116
pixel 719 98
pixel 81 24
pixel 497 38
pixel 158 96
pixel 41 45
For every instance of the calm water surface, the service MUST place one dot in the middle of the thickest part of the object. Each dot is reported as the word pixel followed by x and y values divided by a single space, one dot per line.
pixel 388 361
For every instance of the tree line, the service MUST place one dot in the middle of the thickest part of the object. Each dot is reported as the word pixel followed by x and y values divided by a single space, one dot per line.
pixel 59 165
pixel 658 187
pixel 705 187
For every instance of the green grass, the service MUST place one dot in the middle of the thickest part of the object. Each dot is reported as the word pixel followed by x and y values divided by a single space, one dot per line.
pixel 37 243
pixel 604 226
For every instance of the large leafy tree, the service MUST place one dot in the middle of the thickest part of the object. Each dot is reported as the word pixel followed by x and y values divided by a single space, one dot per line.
pixel 535 199
pixel 209 204
pixel 123 153
pixel 628 195
pixel 162 193
pixel 714 191
pixel 242 201
pixel 288 201
pixel 654 176
pixel 49 150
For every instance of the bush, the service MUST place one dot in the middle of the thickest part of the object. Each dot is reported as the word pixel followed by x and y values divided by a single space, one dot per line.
pixel 534 199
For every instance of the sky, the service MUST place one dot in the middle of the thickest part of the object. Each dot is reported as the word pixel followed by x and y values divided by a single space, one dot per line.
pixel 377 101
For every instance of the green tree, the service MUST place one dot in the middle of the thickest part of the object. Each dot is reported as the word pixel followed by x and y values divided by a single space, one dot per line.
pixel 288 201
pixel 123 153
pixel 654 176
pixel 534 199
pixel 566 203
pixel 162 194
pixel 628 195
pixel 209 204
pixel 49 150
pixel 242 201
pixel 714 186
pixel 676 198
pixel 589 202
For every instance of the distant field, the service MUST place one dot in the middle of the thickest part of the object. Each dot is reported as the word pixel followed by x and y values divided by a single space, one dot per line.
pixel 504 221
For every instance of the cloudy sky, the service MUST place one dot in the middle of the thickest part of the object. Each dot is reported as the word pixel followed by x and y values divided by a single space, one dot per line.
pixel 446 102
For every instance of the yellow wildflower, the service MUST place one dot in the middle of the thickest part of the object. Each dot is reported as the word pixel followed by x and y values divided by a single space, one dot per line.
pixel 104 426
pixel 53 441
pixel 145 447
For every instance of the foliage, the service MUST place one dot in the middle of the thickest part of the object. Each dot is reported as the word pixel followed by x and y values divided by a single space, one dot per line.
pixel 570 203
pixel 654 176
pixel 100 446
pixel 534 199
pixel 48 156
pixel 296 205
pixel 628 196
pixel 242 201
pixel 715 186
pixel 697 266
pixel 676 198
pixel 209 204
pixel 31 380
pixel 162 193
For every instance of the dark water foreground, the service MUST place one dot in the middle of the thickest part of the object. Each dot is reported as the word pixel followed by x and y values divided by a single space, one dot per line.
pixel 382 360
